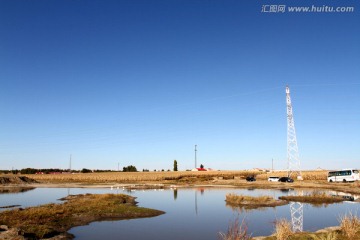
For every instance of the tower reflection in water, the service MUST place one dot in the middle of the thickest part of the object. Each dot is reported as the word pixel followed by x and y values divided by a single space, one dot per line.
pixel 297 213
pixel 201 190
pixel 296 209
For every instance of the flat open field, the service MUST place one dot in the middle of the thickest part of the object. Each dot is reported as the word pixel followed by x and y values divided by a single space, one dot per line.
pixel 178 177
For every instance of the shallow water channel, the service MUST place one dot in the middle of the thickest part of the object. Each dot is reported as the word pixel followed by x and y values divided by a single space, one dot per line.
pixel 192 213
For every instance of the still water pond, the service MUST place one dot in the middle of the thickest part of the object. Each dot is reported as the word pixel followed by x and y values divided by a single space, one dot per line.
pixel 197 213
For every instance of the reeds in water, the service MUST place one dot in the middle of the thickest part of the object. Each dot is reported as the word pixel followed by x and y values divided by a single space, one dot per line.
pixel 349 226
pixel 236 231
pixel 283 229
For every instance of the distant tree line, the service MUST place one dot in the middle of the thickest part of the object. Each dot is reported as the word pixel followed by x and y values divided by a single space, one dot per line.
pixel 129 168
pixel 45 170
pixel 49 170
pixel 85 170
pixel 9 171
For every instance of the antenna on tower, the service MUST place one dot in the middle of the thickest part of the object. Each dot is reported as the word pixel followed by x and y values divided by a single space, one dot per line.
pixel 292 147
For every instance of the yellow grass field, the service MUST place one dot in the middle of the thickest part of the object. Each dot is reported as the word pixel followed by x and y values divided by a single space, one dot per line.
pixel 128 177
pixel 307 175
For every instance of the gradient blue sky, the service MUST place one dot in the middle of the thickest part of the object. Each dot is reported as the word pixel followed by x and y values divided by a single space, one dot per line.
pixel 141 82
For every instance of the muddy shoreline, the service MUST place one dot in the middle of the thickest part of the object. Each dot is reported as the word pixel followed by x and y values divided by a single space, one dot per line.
pixel 352 188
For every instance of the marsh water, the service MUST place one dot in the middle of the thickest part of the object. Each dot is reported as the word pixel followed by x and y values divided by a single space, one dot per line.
pixel 191 213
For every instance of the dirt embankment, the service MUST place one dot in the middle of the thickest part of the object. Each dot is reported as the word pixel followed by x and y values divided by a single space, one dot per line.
pixel 6 180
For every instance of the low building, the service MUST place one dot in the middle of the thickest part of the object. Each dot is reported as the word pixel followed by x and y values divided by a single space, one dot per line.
pixel 202 169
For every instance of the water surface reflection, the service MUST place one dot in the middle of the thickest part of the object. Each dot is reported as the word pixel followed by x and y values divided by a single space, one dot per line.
pixel 15 189
pixel 201 213
pixel 198 213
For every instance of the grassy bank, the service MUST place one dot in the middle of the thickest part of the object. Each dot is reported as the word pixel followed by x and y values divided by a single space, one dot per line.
pixel 349 229
pixel 52 219
pixel 315 197
pixel 249 202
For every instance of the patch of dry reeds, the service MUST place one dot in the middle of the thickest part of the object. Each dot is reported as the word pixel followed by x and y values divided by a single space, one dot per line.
pixel 349 225
pixel 250 202
pixel 242 199
pixel 236 231
pixel 314 197
pixel 325 236
pixel 283 229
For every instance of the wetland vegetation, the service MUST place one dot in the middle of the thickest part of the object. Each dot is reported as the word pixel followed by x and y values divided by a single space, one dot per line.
pixel 63 221
pixel 249 202
pixel 315 197
pixel 53 219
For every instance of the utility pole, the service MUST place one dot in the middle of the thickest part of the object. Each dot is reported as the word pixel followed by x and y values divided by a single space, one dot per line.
pixel 292 147
pixel 70 164
pixel 118 166
pixel 272 165
pixel 195 156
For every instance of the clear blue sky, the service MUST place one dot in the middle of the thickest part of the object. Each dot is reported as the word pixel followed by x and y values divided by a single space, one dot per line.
pixel 142 81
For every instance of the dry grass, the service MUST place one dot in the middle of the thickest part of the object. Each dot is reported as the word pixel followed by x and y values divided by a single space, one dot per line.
pixel 283 229
pixel 185 176
pixel 242 199
pixel 349 225
pixel 167 176
pixel 236 231
pixel 315 197
pixel 51 219
pixel 315 175
pixel 325 236
pixel 250 202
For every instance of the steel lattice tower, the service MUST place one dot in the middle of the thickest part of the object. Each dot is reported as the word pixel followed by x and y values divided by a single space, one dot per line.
pixel 292 147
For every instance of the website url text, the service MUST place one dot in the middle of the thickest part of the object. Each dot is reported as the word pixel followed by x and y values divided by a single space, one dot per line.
pixel 308 9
